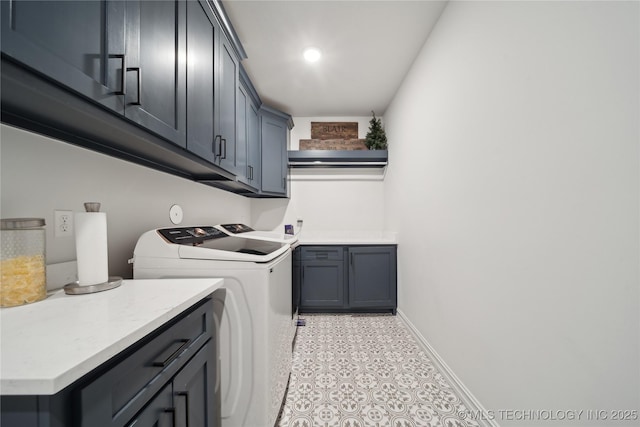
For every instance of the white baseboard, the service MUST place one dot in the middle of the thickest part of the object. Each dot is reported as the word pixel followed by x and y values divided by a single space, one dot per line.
pixel 463 392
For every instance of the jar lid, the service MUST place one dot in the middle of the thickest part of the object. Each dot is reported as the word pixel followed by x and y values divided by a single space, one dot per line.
pixel 21 223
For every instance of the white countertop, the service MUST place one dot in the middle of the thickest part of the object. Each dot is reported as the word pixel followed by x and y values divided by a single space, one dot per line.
pixel 47 345
pixel 347 238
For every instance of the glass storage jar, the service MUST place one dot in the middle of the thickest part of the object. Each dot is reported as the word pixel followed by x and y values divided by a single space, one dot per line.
pixel 23 269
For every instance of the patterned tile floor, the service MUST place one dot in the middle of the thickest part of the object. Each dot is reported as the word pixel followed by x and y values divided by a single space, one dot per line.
pixel 366 371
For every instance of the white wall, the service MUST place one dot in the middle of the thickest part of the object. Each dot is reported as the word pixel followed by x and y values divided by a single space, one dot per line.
pixel 330 199
pixel 40 174
pixel 514 142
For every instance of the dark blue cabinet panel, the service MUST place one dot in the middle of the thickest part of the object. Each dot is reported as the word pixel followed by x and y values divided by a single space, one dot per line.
pixel 194 391
pixel 226 107
pixel 159 412
pixel 155 67
pixel 202 39
pixel 254 151
pixel 372 277
pixel 322 284
pixel 336 278
pixel 78 44
pixel 274 153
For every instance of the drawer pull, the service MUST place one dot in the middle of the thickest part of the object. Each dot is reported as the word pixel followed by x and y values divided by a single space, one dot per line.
pixel 173 355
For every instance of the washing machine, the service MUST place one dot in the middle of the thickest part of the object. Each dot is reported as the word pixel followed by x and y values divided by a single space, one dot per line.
pixel 256 326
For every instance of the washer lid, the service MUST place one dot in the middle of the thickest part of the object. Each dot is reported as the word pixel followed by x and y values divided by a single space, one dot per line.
pixel 232 248
pixel 246 232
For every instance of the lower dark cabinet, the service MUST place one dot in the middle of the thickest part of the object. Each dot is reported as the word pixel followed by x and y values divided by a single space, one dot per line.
pixel 323 284
pixel 194 391
pixel 159 412
pixel 166 379
pixel 372 277
pixel 356 278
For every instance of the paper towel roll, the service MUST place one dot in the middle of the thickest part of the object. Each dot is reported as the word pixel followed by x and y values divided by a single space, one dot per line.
pixel 91 247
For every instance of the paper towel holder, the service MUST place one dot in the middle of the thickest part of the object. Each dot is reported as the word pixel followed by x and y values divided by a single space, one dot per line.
pixel 75 288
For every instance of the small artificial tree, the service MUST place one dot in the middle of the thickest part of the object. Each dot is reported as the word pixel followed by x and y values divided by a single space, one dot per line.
pixel 376 138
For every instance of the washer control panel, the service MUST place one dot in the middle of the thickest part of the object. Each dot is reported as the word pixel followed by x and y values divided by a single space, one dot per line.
pixel 191 235
pixel 236 228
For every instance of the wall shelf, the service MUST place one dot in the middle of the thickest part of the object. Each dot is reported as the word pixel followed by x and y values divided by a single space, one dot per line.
pixel 338 158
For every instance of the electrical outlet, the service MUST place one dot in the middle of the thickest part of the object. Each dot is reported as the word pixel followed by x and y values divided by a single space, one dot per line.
pixel 63 223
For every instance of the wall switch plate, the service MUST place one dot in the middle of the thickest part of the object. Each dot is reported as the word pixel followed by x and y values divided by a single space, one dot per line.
pixel 63 223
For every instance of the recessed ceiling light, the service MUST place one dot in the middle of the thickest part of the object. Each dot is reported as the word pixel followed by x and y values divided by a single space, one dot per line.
pixel 311 54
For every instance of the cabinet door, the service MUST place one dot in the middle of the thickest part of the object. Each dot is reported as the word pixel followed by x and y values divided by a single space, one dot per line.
pixel 247 140
pixel 79 44
pixel 155 67
pixel 242 136
pixel 227 90
pixel 253 146
pixel 372 277
pixel 322 284
pixel 194 390
pixel 296 271
pixel 202 41
pixel 274 155
pixel 159 412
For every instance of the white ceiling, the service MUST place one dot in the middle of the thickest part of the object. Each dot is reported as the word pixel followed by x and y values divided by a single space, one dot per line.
pixel 368 46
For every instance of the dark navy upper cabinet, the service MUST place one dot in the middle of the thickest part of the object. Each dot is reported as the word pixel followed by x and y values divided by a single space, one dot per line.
pixel 226 107
pixel 155 82
pixel 372 277
pixel 203 36
pixel 155 70
pixel 274 127
pixel 78 44
pixel 212 81
pixel 248 133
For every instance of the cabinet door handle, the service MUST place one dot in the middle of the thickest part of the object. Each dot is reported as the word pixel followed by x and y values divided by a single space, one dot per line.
pixel 351 258
pixel 171 411
pixel 251 172
pixel 224 156
pixel 123 76
pixel 213 148
pixel 185 394
pixel 173 355
pixel 139 97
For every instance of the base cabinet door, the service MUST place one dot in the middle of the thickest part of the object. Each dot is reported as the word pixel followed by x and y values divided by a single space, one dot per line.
pixel 194 391
pixel 159 412
pixel 322 284
pixel 372 277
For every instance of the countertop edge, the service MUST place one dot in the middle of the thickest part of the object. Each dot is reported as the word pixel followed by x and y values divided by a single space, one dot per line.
pixel 51 386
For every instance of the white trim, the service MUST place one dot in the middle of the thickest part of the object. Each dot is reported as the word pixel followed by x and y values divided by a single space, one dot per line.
pixel 465 394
